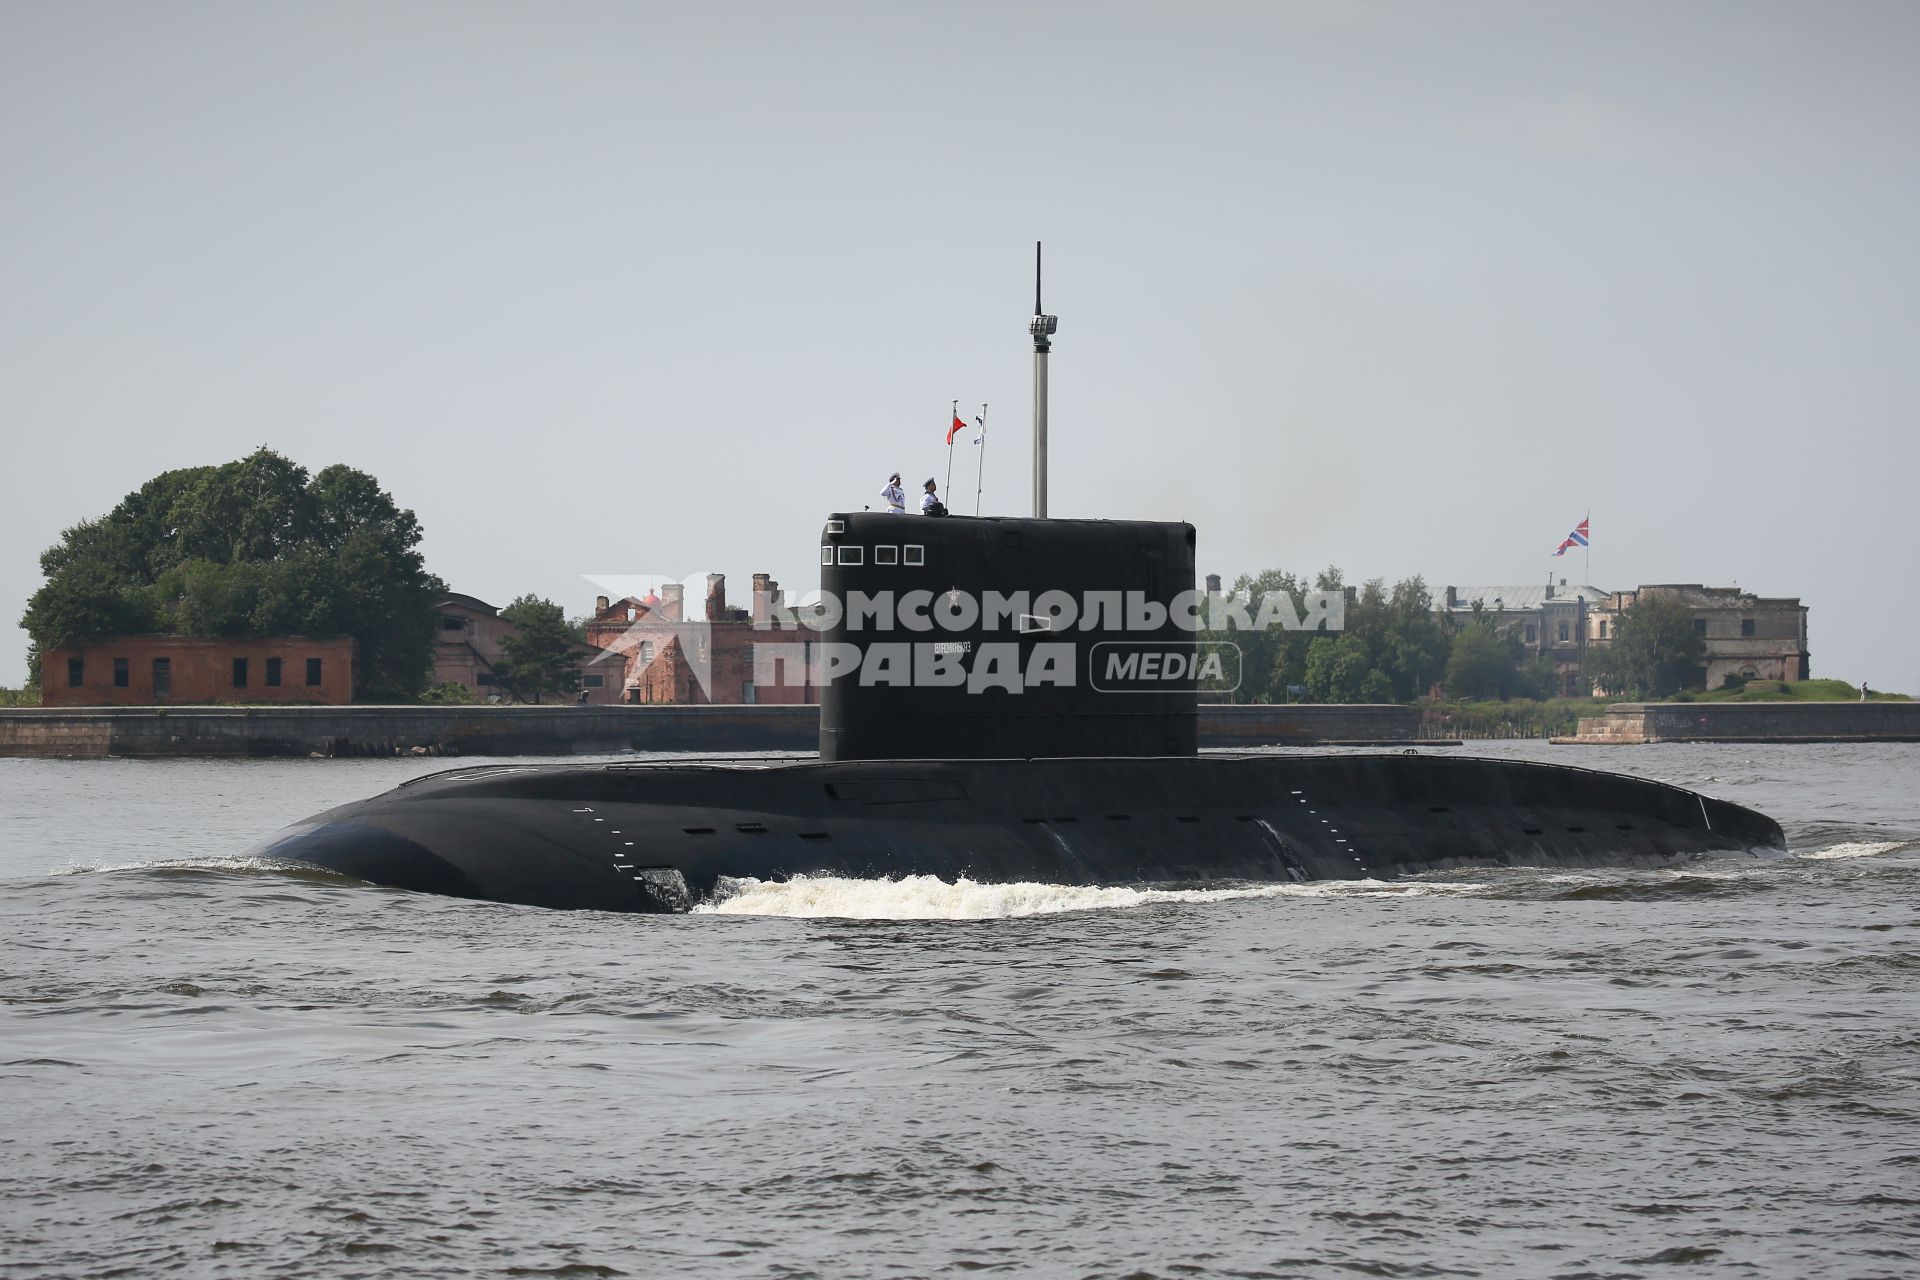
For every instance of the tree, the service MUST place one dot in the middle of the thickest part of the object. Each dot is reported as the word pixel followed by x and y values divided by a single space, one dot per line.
pixel 250 548
pixel 1392 649
pixel 541 657
pixel 1656 651
pixel 1481 662
pixel 1337 668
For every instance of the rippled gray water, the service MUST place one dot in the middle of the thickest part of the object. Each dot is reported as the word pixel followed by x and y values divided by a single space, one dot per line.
pixel 208 1069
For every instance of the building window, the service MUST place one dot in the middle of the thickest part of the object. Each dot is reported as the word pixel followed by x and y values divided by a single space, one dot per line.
pixel 452 624
pixel 122 673
pixel 913 555
pixel 1700 626
pixel 886 555
pixel 1564 636
pixel 853 555
pixel 1532 635
pixel 76 672
pixel 273 672
pixel 313 672
pixel 485 677
pixel 239 673
pixel 162 677
pixel 1746 626
pixel 1603 628
pixel 593 682
pixel 646 652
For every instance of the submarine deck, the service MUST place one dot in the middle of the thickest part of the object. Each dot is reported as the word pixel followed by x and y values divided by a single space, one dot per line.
pixel 657 835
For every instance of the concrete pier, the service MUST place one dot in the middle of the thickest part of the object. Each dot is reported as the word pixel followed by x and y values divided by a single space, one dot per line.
pixel 1638 722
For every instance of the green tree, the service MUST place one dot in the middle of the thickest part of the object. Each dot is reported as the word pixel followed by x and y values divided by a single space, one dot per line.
pixel 250 548
pixel 1656 651
pixel 1392 649
pixel 1480 664
pixel 1414 647
pixel 540 654
pixel 1338 668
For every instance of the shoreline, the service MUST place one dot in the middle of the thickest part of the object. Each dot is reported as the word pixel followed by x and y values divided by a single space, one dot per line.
pixel 270 732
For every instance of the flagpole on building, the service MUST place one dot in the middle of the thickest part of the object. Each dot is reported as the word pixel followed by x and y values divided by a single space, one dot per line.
pixel 950 421
pixel 980 471
pixel 1587 523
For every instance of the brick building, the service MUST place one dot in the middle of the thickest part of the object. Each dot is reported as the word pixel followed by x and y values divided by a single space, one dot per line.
pixel 467 651
pixel 1551 619
pixel 715 654
pixel 169 670
pixel 466 644
pixel 1756 637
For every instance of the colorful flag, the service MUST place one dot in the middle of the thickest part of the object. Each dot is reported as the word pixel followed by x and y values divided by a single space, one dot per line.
pixel 1578 538
pixel 957 427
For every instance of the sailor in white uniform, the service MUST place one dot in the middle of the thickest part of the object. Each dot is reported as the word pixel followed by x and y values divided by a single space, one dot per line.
pixel 930 504
pixel 896 496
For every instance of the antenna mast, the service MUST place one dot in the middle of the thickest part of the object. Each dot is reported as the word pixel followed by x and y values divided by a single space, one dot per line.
pixel 1042 327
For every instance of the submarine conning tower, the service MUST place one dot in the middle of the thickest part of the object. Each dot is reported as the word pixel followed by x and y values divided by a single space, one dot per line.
pixel 999 637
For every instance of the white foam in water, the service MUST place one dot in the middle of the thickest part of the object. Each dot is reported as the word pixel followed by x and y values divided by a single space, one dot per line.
pixel 931 898
pixel 1856 849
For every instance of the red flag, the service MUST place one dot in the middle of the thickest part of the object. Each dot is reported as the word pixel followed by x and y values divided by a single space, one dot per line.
pixel 957 427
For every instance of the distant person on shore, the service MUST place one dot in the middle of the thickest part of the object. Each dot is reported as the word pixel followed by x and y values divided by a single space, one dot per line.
pixel 896 496
pixel 1863 691
pixel 930 504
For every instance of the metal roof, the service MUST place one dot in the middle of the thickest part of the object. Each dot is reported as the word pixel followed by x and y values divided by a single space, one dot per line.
pixel 1524 598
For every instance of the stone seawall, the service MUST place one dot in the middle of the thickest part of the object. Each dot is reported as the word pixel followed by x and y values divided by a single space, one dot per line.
pixel 1306 724
pixel 360 731
pixel 558 730
pixel 1636 722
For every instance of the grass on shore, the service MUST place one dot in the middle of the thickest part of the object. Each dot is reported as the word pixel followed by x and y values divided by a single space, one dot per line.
pixel 1792 691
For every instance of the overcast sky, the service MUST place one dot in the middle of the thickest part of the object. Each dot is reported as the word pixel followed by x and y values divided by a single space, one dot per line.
pixel 651 288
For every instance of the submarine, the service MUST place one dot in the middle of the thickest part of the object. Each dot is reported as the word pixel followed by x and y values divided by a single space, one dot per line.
pixel 1004 699
pixel 941 753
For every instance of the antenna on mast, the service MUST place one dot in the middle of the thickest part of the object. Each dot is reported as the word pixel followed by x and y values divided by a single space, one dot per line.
pixel 1042 327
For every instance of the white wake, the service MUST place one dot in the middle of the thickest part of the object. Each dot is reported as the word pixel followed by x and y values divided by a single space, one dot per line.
pixel 931 898
pixel 1855 849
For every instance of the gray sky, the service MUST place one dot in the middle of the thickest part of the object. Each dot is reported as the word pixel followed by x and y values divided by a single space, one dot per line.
pixel 650 288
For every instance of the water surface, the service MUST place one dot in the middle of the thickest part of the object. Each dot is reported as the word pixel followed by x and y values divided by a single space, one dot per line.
pixel 211 1067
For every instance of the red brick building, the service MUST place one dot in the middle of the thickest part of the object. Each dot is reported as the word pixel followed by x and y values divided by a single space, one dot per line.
pixel 166 670
pixel 467 651
pixel 710 657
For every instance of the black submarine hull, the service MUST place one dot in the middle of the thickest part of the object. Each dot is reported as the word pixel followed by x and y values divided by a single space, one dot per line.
pixel 662 836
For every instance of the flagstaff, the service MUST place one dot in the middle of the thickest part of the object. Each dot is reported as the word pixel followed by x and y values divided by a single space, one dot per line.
pixel 953 425
pixel 1042 327
pixel 980 472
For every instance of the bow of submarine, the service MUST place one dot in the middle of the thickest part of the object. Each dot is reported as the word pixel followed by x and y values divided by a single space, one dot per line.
pixel 457 847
